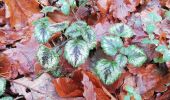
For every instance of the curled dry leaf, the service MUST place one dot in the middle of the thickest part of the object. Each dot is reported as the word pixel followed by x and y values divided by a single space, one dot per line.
pixel 25 54
pixel 77 86
pixel 41 88
pixel 8 68
pixel 22 12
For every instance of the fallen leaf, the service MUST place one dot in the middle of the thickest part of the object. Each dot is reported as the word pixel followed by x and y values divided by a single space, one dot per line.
pixel 22 12
pixel 40 89
pixel 89 92
pixel 25 54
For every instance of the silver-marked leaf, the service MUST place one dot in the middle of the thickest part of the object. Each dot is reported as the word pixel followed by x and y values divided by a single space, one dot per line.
pixel 6 98
pixel 149 41
pixel 47 58
pixel 76 29
pixel 111 44
pixel 82 2
pixel 152 17
pixel 150 28
pixel 2 86
pixel 90 38
pixel 136 56
pixel 47 9
pixel 167 15
pixel 108 71
pixel 65 8
pixel 57 27
pixel 122 30
pixel 40 31
pixel 72 3
pixel 76 52
pixel 166 55
pixel 161 48
pixel 121 60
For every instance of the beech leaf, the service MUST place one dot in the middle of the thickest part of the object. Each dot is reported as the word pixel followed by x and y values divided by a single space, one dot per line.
pixel 47 58
pixel 108 71
pixel 122 30
pixel 2 86
pixel 76 52
pixel 111 44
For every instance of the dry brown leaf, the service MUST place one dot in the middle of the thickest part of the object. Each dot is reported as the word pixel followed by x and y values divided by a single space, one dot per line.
pixel 22 12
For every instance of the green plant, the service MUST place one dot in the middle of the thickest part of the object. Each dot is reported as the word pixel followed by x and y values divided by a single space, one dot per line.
pixel 150 26
pixel 109 71
pixel 81 40
pixel 131 93
pixel 65 6
pixel 2 86
pixel 150 22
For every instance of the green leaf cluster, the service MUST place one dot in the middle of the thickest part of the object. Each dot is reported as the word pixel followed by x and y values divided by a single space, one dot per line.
pixel 66 5
pixel 83 39
pixel 150 22
pixel 2 89
pixel 2 86
pixel 164 50
pixel 131 92
pixel 44 29
pixel 112 45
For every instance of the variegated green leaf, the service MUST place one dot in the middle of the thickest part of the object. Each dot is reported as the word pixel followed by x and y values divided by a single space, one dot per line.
pixel 108 71
pixel 132 92
pixel 152 17
pixel 82 2
pixel 47 9
pixel 122 30
pixel 111 44
pixel 136 56
pixel 72 3
pixel 47 58
pixel 76 52
pixel 150 28
pixel 40 31
pixel 161 48
pixel 167 15
pixel 65 8
pixel 76 29
pixel 166 55
pixel 121 60
pixel 6 98
pixel 90 38
pixel 2 86
pixel 57 27
pixel 149 41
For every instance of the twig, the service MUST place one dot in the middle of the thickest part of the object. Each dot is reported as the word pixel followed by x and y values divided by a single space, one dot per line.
pixel 74 14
